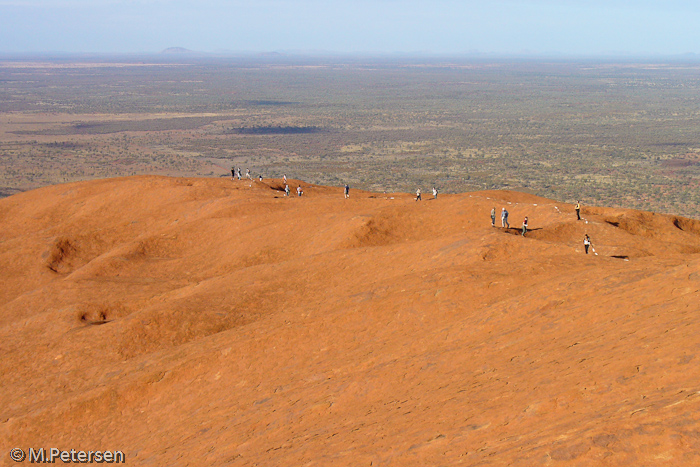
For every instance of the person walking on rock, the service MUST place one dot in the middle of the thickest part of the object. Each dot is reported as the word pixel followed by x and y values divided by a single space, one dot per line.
pixel 578 210
pixel 504 218
pixel 284 177
pixel 493 217
pixel 586 242
pixel 418 198
pixel 435 192
pixel 247 174
pixel 286 190
pixel 525 226
pixel 346 191
pixel 233 173
pixel 299 192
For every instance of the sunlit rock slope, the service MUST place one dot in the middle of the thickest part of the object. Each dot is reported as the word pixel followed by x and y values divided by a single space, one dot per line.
pixel 217 322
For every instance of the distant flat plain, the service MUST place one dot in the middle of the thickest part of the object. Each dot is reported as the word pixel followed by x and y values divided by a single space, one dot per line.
pixel 614 133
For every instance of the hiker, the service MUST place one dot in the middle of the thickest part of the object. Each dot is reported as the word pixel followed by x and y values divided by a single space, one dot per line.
pixel 299 192
pixel 239 173
pixel 260 177
pixel 233 173
pixel 493 217
pixel 504 218
pixel 346 191
pixel 578 210
pixel 418 198
pixel 435 192
pixel 525 226
pixel 284 177
pixel 286 190
pixel 247 174
pixel 586 242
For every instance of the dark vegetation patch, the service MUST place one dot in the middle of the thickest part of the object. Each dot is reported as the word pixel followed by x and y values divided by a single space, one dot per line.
pixel 109 127
pixel 156 124
pixel 677 163
pixel 268 103
pixel 64 145
pixel 673 144
pixel 278 130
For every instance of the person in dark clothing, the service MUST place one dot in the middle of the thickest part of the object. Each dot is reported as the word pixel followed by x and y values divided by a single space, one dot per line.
pixel 586 242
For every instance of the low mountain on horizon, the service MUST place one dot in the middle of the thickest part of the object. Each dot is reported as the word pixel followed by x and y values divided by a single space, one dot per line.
pixel 176 50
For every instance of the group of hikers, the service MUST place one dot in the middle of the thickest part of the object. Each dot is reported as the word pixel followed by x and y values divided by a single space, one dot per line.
pixel 586 238
pixel 505 224
pixel 236 172
pixel 286 187
pixel 504 212
pixel 418 194
pixel 504 220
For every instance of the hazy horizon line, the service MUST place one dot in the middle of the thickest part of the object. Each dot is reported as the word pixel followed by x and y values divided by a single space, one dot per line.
pixel 175 52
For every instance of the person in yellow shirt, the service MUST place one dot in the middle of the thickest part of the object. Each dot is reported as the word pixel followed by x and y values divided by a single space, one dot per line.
pixel 578 210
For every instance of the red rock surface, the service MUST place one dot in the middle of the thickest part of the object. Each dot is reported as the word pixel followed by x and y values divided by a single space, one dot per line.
pixel 211 322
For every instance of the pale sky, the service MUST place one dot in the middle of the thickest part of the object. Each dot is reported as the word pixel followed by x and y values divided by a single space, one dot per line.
pixel 583 27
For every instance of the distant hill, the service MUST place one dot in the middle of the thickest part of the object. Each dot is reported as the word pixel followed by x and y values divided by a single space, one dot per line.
pixel 198 321
pixel 176 50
